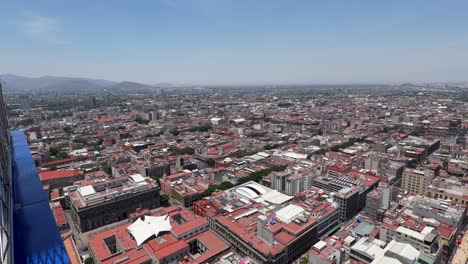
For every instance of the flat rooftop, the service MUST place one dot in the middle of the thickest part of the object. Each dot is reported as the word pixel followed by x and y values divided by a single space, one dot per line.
pixel 103 190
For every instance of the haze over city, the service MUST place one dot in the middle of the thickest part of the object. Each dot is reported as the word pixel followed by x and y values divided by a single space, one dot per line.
pixel 237 42
pixel 233 132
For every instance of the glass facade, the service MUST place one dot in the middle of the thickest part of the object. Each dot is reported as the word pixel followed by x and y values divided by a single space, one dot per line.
pixel 5 186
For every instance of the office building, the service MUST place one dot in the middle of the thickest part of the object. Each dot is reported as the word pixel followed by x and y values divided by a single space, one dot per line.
pixel 25 102
pixel 349 192
pixel 5 178
pixel 110 200
pixel 416 181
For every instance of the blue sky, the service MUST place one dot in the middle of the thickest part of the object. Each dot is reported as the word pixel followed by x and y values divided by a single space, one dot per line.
pixel 237 41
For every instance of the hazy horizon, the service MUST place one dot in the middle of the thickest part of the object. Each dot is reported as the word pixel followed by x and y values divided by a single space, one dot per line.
pixel 225 42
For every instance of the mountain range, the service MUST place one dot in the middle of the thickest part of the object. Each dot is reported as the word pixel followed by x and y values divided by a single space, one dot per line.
pixel 53 84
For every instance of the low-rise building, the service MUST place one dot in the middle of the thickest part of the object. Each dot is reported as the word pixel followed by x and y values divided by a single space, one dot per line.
pixel 266 225
pixel 107 201
pixel 165 235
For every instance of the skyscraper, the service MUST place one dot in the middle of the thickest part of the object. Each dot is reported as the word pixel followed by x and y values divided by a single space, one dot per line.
pixel 5 178
pixel 25 102
pixel 28 232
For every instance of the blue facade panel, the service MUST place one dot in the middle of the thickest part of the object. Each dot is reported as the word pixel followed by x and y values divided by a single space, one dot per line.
pixel 36 236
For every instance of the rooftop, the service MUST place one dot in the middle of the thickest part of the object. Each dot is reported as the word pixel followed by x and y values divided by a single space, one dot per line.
pixel 57 174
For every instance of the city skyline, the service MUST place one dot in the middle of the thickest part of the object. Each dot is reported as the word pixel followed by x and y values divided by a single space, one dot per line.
pixel 236 42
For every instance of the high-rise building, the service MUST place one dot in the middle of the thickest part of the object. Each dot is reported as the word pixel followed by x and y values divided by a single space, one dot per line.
pixel 28 232
pixel 108 99
pixel 25 102
pixel 5 178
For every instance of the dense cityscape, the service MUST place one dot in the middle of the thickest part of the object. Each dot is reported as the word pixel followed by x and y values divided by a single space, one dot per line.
pixel 233 132
pixel 133 173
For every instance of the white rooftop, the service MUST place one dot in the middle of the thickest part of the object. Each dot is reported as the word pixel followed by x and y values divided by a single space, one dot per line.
pixel 295 155
pixel 397 252
pixel 86 190
pixel 137 178
pixel 141 230
pixel 276 197
pixel 320 245
pixel 369 247
pixel 259 193
pixel 411 233
pixel 289 212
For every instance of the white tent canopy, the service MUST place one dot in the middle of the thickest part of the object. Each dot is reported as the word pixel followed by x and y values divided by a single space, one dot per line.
pixel 141 230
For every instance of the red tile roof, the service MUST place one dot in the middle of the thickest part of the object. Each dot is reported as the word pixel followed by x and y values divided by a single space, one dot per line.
pixel 49 175
pixel 214 244
pixel 284 238
pixel 171 249
pixel 57 162
pixel 59 215
pixel 189 226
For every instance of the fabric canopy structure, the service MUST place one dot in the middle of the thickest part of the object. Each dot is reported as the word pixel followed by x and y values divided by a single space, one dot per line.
pixel 141 230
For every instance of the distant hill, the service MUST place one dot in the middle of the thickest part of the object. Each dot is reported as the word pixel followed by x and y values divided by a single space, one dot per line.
pixel 53 84
pixel 408 85
pixel 16 83
pixel 130 86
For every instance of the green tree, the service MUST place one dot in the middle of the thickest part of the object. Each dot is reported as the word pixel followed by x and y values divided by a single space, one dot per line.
pixel 62 155
pixel 175 132
pixel 243 153
pixel 99 141
pixel 106 168
pixel 67 130
pixel 26 122
pixel 53 151
pixel 269 147
pixel 164 198
pixel 140 120
pixel 80 140
pixel 183 151
pixel 304 260
pixel 257 176
pixel 89 260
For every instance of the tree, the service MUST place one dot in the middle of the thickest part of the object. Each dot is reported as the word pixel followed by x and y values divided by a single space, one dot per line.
pixel 53 151
pixel 89 260
pixel 320 152
pixel 99 141
pixel 175 132
pixel 67 130
pixel 80 140
pixel 257 176
pixel 106 168
pixel 304 260
pixel 26 122
pixel 202 128
pixel 140 120
pixel 164 198
pixel 62 155
pixel 243 153
pixel 183 151
pixel 269 147
pixel 213 188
